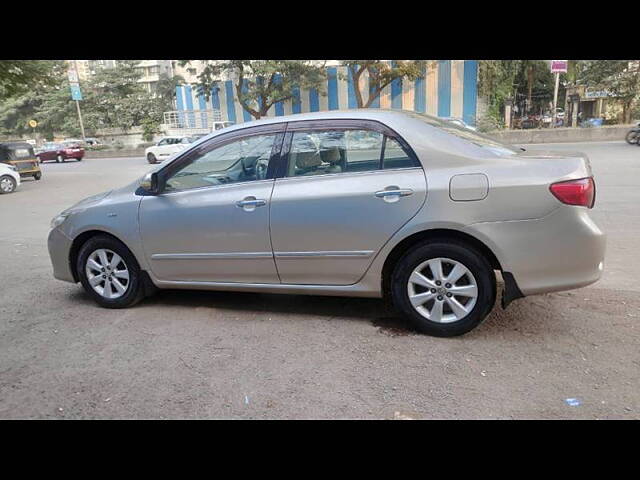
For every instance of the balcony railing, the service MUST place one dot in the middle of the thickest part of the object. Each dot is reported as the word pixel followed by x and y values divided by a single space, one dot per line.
pixel 192 119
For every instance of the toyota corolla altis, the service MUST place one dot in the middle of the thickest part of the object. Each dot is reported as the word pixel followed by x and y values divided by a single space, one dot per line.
pixel 373 203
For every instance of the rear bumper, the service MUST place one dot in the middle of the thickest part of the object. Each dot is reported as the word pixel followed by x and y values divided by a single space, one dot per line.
pixel 562 251
pixel 59 246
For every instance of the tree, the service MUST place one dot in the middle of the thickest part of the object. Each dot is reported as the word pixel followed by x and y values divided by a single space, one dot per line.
pixel 621 78
pixel 19 76
pixel 496 79
pixel 113 98
pixel 259 84
pixel 538 79
pixel 381 74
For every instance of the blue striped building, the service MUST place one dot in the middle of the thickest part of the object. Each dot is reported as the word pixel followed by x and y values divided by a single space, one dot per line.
pixel 448 89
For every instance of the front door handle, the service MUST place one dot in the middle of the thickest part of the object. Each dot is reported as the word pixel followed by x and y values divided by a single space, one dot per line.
pixel 248 204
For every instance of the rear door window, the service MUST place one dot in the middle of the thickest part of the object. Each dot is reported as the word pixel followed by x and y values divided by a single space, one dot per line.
pixel 321 152
pixel 395 156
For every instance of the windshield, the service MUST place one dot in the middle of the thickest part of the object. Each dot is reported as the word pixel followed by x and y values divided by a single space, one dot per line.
pixel 21 153
pixel 470 135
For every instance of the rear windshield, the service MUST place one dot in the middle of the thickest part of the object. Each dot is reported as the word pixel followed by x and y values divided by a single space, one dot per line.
pixel 20 153
pixel 466 134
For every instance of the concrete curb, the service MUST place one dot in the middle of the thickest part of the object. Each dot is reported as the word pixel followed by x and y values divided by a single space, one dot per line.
pixel 563 135
pixel 114 153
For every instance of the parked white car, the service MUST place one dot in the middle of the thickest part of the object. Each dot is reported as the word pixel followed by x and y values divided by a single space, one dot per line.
pixel 220 125
pixel 9 178
pixel 167 147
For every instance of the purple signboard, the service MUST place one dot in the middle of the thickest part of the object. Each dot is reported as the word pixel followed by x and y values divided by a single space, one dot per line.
pixel 559 66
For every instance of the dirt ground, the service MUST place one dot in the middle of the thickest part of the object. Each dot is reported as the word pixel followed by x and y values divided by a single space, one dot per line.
pixel 183 354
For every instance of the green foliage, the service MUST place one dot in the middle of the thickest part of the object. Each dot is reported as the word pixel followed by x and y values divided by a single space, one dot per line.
pixel 19 76
pixel 256 84
pixel 113 98
pixel 381 74
pixel 149 128
pixel 499 80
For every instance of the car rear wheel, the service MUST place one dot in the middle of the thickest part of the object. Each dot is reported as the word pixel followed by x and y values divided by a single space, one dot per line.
pixel 109 272
pixel 443 288
pixel 59 159
pixel 79 159
pixel 151 158
pixel 7 184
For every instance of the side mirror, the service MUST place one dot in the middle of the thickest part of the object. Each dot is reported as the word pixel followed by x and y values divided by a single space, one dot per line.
pixel 151 183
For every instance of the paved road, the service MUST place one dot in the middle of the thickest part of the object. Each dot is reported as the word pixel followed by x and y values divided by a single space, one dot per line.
pixel 234 355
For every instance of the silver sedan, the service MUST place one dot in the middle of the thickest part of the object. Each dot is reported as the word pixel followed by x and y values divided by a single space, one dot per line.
pixel 373 203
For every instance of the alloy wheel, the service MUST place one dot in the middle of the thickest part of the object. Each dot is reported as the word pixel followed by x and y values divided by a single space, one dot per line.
pixel 107 273
pixel 442 290
pixel 7 185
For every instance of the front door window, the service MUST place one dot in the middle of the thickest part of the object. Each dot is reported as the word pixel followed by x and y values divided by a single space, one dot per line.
pixel 242 160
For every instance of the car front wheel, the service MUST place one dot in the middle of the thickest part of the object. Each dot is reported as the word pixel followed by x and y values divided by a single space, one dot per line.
pixel 444 288
pixel 7 184
pixel 109 272
pixel 151 158
pixel 59 159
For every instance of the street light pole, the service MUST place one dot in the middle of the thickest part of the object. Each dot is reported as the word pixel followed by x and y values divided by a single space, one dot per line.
pixel 75 66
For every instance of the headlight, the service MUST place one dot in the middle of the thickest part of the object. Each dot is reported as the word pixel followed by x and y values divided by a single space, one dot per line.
pixel 58 219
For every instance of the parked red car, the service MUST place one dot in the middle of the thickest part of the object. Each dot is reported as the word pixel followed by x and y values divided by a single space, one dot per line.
pixel 60 152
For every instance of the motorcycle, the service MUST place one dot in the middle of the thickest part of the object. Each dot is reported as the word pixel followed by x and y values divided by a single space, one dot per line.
pixel 633 136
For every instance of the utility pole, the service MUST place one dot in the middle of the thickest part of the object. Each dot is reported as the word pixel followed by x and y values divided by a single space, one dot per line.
pixel 557 67
pixel 75 67
pixel 555 100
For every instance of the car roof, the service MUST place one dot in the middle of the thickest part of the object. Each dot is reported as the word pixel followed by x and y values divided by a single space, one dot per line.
pixel 15 145
pixel 379 114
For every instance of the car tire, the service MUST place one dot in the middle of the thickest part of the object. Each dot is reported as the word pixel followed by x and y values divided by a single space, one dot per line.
pixel 79 159
pixel 7 184
pixel 110 296
pixel 59 159
pixel 151 158
pixel 37 176
pixel 632 138
pixel 449 309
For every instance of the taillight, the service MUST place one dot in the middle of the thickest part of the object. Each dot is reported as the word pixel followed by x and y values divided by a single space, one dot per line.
pixel 580 192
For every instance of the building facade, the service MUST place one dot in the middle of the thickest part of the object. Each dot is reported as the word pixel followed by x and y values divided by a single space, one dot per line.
pixel 151 71
pixel 447 89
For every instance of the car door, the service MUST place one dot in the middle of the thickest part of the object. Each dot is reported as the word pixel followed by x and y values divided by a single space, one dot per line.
pixel 165 148
pixel 48 153
pixel 211 224
pixel 348 186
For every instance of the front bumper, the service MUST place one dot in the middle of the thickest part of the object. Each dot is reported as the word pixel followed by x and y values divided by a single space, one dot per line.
pixel 59 246
pixel 561 251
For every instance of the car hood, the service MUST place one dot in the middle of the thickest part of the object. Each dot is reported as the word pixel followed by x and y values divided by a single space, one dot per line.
pixel 87 202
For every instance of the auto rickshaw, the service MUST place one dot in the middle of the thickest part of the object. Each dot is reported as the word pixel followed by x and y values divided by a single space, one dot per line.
pixel 21 156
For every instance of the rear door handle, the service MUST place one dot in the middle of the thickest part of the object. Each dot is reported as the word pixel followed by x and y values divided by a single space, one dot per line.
pixel 394 191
